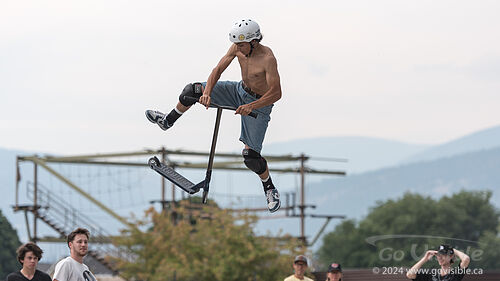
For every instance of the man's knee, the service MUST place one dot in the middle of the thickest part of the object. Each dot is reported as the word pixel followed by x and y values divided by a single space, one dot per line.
pixel 254 161
pixel 190 94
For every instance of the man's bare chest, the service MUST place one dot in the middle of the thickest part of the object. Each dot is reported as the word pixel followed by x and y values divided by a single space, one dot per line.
pixel 252 69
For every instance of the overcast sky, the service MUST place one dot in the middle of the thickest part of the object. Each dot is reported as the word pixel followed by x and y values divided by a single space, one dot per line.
pixel 76 76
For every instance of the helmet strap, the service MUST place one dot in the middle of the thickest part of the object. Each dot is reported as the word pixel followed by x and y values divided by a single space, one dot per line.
pixel 251 49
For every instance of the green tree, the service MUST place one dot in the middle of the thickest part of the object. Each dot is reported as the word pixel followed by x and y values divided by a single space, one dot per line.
pixel 398 232
pixel 343 245
pixel 211 244
pixel 9 242
pixel 467 215
pixel 489 257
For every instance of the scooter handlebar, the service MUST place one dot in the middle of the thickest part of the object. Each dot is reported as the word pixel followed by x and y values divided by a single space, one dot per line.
pixel 251 114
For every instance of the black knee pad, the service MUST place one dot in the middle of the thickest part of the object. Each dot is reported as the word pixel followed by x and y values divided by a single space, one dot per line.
pixel 254 161
pixel 193 90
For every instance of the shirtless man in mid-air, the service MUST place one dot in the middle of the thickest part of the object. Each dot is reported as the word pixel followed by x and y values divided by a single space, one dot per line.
pixel 259 89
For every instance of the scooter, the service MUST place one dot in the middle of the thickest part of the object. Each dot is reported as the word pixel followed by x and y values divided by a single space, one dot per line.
pixel 180 180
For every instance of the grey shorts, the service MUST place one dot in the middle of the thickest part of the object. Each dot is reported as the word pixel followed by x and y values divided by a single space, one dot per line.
pixel 253 130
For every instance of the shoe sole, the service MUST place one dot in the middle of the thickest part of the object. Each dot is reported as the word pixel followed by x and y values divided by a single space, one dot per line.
pixel 164 129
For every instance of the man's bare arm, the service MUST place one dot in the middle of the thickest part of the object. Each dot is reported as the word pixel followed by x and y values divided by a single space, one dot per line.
pixel 215 75
pixel 412 273
pixel 224 62
pixel 464 259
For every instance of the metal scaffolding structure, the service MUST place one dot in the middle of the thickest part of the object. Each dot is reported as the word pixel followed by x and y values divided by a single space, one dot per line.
pixel 230 162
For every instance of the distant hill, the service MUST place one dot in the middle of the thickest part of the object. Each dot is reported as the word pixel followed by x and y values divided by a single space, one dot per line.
pixel 354 195
pixel 485 139
pixel 363 153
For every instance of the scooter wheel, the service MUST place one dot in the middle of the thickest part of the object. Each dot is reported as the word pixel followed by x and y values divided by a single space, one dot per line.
pixel 154 162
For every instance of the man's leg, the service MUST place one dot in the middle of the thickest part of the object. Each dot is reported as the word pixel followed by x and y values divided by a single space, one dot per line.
pixel 255 162
pixel 166 121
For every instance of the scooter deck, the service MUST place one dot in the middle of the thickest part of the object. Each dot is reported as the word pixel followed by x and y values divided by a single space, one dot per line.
pixel 173 176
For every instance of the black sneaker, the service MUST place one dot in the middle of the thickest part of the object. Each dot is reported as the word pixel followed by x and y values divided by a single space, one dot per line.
pixel 158 118
pixel 273 200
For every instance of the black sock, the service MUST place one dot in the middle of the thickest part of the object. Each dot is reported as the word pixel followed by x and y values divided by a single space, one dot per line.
pixel 268 184
pixel 173 116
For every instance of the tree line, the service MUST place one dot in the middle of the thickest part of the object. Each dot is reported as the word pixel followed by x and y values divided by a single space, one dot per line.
pixel 398 232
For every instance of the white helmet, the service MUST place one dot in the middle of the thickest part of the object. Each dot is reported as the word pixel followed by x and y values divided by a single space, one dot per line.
pixel 244 31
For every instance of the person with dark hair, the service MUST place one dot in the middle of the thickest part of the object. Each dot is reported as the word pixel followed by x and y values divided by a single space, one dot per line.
pixel 29 255
pixel 72 268
pixel 334 272
pixel 299 268
pixel 444 255
pixel 258 90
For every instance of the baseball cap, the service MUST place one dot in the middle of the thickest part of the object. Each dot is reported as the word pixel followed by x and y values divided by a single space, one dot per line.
pixel 300 258
pixel 445 249
pixel 334 267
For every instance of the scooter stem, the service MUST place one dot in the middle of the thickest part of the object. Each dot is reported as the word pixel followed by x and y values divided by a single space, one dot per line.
pixel 211 157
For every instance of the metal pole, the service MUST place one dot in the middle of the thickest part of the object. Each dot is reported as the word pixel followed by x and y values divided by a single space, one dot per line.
pixel 173 192
pixel 27 224
pixel 287 203
pixel 18 179
pixel 219 165
pixel 302 200
pixel 321 230
pixel 214 140
pixel 35 201
pixel 212 155
pixel 163 181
